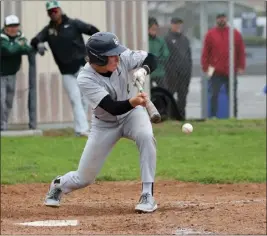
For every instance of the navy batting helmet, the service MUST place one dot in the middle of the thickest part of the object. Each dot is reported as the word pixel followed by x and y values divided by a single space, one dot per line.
pixel 101 45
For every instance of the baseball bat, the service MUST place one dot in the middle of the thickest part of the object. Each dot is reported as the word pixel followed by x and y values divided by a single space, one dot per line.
pixel 150 107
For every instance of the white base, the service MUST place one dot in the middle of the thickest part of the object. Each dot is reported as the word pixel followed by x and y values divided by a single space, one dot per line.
pixel 51 223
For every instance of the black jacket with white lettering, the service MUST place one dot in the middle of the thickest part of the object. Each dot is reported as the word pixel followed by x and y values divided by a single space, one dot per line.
pixel 66 42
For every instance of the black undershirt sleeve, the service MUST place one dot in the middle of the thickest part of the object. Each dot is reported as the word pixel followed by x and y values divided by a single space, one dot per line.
pixel 115 108
pixel 150 62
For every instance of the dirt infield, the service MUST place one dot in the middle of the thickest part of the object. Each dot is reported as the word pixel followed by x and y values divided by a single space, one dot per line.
pixel 107 208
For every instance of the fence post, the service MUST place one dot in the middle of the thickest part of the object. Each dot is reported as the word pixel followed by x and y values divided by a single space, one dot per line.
pixel 145 46
pixel 231 60
pixel 204 81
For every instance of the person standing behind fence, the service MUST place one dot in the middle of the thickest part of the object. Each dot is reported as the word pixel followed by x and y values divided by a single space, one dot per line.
pixel 13 46
pixel 215 60
pixel 179 65
pixel 159 48
pixel 64 36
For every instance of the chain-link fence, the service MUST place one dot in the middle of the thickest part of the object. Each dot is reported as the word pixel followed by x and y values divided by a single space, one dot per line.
pixel 194 70
pixel 216 61
pixel 250 20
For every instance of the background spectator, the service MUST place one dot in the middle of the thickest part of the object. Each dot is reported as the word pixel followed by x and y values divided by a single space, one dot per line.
pixel 158 47
pixel 13 46
pixel 215 60
pixel 179 65
pixel 64 36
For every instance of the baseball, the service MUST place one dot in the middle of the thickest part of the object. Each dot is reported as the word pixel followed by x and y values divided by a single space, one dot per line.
pixel 187 128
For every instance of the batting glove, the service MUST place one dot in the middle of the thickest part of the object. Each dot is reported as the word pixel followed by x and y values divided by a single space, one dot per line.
pixel 41 48
pixel 140 75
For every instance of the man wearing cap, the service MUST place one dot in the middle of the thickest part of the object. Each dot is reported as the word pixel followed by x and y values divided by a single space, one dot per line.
pixel 64 37
pixel 179 65
pixel 215 60
pixel 13 46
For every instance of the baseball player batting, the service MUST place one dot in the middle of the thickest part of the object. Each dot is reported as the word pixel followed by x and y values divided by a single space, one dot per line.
pixel 118 111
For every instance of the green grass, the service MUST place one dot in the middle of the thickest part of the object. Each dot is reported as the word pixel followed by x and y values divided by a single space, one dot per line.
pixel 218 151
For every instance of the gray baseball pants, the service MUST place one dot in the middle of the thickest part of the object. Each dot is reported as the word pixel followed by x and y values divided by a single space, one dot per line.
pixel 103 136
pixel 8 87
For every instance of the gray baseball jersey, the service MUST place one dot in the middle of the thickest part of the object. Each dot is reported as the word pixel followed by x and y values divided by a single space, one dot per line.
pixel 119 86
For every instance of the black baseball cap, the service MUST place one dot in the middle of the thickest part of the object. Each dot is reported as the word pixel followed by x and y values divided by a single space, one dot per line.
pixel 220 15
pixel 152 21
pixel 176 20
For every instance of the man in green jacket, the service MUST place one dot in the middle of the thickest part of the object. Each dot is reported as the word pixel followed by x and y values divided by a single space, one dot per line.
pixel 159 48
pixel 13 46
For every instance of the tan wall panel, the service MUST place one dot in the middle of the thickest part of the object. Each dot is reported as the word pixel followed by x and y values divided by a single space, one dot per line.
pixel 129 17
pixel 129 21
pixel 52 102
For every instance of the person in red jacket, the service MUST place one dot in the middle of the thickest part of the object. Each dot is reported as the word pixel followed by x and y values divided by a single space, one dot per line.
pixel 215 59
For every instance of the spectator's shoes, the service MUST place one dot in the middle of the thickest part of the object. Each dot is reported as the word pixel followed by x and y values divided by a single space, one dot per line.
pixel 82 134
pixel 54 194
pixel 147 204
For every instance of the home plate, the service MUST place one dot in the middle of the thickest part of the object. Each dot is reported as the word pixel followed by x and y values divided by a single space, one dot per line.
pixel 51 223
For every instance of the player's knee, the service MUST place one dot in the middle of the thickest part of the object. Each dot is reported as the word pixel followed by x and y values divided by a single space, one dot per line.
pixel 144 137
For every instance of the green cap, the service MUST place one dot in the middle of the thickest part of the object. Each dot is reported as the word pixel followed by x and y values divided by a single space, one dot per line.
pixel 52 4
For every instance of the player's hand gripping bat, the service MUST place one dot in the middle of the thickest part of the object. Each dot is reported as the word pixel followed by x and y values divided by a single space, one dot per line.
pixel 150 107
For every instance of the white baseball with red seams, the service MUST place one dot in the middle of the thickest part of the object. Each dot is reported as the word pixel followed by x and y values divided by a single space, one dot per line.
pixel 187 128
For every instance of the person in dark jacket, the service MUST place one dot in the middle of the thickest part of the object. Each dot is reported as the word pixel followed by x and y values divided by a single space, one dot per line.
pixel 215 60
pixel 64 37
pixel 158 47
pixel 179 65
pixel 13 46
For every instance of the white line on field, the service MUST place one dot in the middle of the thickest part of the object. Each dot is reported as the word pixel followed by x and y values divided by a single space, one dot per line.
pixel 50 223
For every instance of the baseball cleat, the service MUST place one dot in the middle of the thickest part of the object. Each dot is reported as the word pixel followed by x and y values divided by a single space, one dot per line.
pixel 146 204
pixel 54 194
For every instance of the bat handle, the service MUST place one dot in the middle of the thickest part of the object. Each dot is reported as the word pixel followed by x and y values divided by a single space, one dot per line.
pixel 155 117
pixel 139 87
